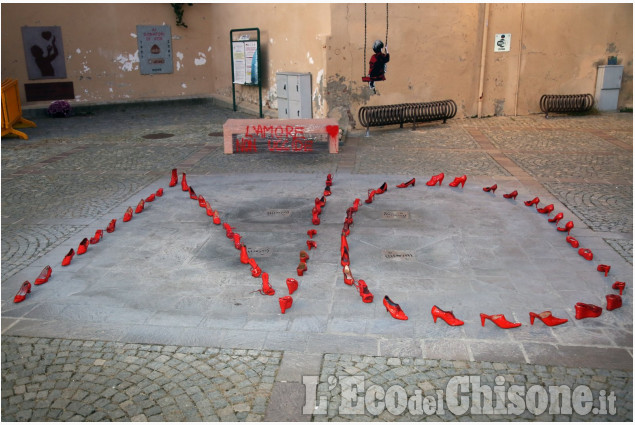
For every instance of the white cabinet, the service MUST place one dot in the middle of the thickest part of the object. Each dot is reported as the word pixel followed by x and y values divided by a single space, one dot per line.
pixel 607 87
pixel 294 95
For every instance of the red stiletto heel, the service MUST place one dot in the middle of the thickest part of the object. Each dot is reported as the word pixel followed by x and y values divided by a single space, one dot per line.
pixel 371 195
pixel 546 210
pixel 459 181
pixel 311 233
pixel 573 241
pixel 315 219
pixel 24 289
pixel 320 202
pixel 255 270
pixel 184 186
pixel 447 316
pixel 604 268
pixel 304 257
pixel 98 235
pixel 383 188
pixel 127 216
pixel 244 257
pixel 583 311
pixel 436 179
pixel 237 243
pixel 356 204
pixel 140 206
pixel 567 227
pixel 410 182
pixel 586 253
pixel 44 275
pixel 111 226
pixel 216 218
pixel 285 303
pixel 160 192
pixel 292 284
pixel 311 244
pixel 175 178
pixel 266 288
pixel 348 276
pixel 193 194
pixel 83 246
pixel 327 191
pixel 511 195
pixel 67 260
pixel 556 218
pixel 346 229
pixel 151 198
pixel 534 201
pixel 499 320
pixel 201 201
pixel 613 301
pixel 364 292
pixel 620 286
pixel 208 209
pixel 345 258
pixel 228 231
pixel 394 309
pixel 547 318
pixel 302 267
pixel 329 180
pixel 490 188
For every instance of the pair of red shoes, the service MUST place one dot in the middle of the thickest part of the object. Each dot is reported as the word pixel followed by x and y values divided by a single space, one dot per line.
pixel 25 288
pixel 175 179
pixel 287 301
pixel 317 210
pixel 511 195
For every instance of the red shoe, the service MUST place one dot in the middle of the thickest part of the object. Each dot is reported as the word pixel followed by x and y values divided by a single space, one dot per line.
pixel 304 257
pixel 459 181
pixel 127 216
pixel 83 246
pixel 343 244
pixel 573 241
pixel 266 288
pixel 346 261
pixel 244 257
pixel 329 180
pixel 448 316
pixel 311 244
pixel 394 309
pixel 301 269
pixel 436 179
pixel 346 229
pixel 490 188
pixel 315 219
pixel 237 243
pixel 285 303
pixel 556 218
pixel 364 292
pixel 586 253
pixel 348 276
pixel 44 275
pixel 327 191
pixel 67 260
pixel 311 233
pixel 228 231
pixel 383 188
pixel 613 301
pixel 500 321
pixel 201 201
pixel 547 318
pixel 175 178
pixel 511 195
pixel 356 203
pixel 140 206
pixel 111 226
pixel 255 270
pixel 604 268
pixel 567 227
pixel 371 195
pixel 620 286
pixel 98 235
pixel 24 289
pixel 320 202
pixel 546 210
pixel 406 184
pixel 151 197
pixel 216 218
pixel 583 310
pixel 160 192
pixel 184 186
pixel 292 284
pixel 193 194
pixel 208 209
pixel 534 201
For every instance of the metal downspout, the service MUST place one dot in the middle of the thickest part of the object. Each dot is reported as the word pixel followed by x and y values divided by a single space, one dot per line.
pixel 520 54
pixel 482 72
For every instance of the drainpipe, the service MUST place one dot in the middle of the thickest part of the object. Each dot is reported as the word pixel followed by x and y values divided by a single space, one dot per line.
pixel 520 53
pixel 483 51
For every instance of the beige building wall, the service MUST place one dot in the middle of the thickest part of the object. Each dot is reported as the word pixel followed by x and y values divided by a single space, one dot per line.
pixel 435 52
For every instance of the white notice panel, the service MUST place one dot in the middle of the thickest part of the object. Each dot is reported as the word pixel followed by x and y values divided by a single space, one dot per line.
pixel 502 42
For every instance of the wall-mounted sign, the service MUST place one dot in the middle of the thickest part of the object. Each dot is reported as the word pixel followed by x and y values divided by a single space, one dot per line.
pixel 502 42
pixel 44 52
pixel 155 49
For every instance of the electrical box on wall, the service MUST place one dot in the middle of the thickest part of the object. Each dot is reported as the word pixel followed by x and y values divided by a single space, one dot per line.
pixel 607 87
pixel 294 95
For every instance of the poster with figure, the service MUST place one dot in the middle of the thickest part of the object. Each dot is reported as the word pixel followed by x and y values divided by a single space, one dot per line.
pixel 44 52
pixel 155 49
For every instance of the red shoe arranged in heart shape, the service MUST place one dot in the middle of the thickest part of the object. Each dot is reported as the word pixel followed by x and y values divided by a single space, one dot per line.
pixel 266 288
pixel 67 259
pixel 329 180
pixel 490 188
pixel 175 178
pixel 573 241
pixel 556 218
pixel 208 209
pixel 546 210
pixel 547 318
pixel 394 309
pixel 151 198
pixel 160 192
pixel 371 195
pixel 83 246
pixel 44 276
pixel 567 227
pixel 459 181
pixel 255 270
pixel 140 206
pixel 410 182
pixel 356 203
pixel 613 301
pixel 98 235
pixel 24 289
pixel 302 267
pixel 583 310
pixel 447 316
pixel 304 257
pixel 201 201
pixel 285 303
pixel 604 268
pixel 511 195
pixel 310 233
pixel 127 216
pixel 111 225
pixel 364 292
pixel 327 191
pixel 620 286
pixel 193 194
pixel 436 179
pixel 348 276
pixel 237 243
pixel 383 188
pixel 184 186
pixel 216 218
pixel 534 201
pixel 292 284
pixel 315 219
pixel 499 320
pixel 311 244
pixel 586 253
pixel 244 257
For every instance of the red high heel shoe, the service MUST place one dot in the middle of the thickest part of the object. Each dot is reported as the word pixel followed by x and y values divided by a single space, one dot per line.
pixel 356 203
pixel 237 243
pixel 447 316
pixel 573 241
pixel 83 246
pixel 364 292
pixel 24 289
pixel 371 195
pixel 228 231
pixel 556 218
pixel 244 257
pixel 383 188
pixel 583 311
pixel 511 195
pixel 534 201
pixel 292 284
pixel 266 288
pixel 546 210
pixel 436 179
pixel 459 181
pixel 111 226
pixel 315 219
pixel 285 303
pixel 98 235
pixel 216 218
pixel 499 320
pixel 613 301
pixel 175 178
pixel 67 259
pixel 310 233
pixel 604 268
pixel 586 253
pixel 348 276
pixel 140 206
pixel 346 261
pixel 547 318
pixel 394 309
pixel 304 257
pixel 201 201
pixel 567 227
pixel 44 276
pixel 193 194
pixel 490 188
pixel 151 198
pixel 320 202
pixel 160 192
pixel 208 209
pixel 410 182
pixel 184 186
pixel 127 216
pixel 343 244
pixel 327 191
pixel 620 286
pixel 329 180
pixel 346 229
pixel 311 244
pixel 302 267
pixel 255 270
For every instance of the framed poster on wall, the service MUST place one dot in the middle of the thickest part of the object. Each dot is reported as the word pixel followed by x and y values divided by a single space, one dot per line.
pixel 44 52
pixel 155 49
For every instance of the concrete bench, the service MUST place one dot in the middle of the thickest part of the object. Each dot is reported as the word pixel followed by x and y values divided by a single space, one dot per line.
pixel 271 135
